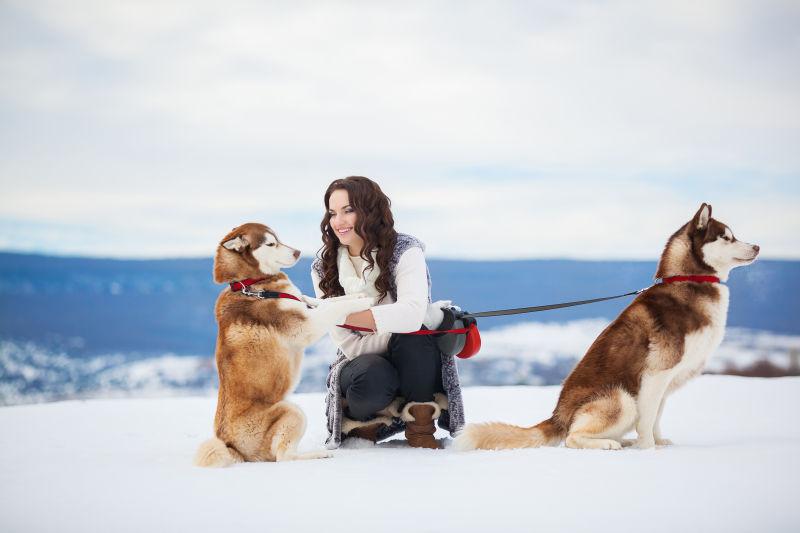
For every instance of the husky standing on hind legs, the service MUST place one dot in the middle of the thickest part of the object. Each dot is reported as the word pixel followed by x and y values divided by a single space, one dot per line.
pixel 260 347
pixel 660 341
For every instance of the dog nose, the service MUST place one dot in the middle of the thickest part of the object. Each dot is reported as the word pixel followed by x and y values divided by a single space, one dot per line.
pixel 297 254
pixel 756 248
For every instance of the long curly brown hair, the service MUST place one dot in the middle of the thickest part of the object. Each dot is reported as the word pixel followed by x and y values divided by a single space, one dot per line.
pixel 374 224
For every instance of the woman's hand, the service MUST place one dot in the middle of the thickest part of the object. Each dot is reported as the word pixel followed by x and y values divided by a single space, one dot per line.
pixel 362 319
pixel 434 315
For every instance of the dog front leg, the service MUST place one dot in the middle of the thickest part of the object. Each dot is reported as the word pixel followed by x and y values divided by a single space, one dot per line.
pixel 332 312
pixel 316 328
pixel 312 302
pixel 648 402
pixel 660 441
pixel 320 321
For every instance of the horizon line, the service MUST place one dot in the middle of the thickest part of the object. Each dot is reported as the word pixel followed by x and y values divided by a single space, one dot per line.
pixel 10 251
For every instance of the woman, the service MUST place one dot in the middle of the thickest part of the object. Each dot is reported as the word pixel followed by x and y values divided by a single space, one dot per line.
pixel 382 382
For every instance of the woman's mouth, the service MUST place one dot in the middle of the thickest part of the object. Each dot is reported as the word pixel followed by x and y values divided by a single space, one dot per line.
pixel 344 231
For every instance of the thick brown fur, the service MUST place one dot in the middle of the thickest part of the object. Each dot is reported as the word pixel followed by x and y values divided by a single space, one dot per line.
pixel 259 351
pixel 623 379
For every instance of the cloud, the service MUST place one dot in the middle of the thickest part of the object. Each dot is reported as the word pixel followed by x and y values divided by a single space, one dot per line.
pixel 180 117
pixel 476 220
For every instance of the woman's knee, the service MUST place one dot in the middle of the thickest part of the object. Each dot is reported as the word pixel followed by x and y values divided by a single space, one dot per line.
pixel 415 352
pixel 419 366
pixel 372 385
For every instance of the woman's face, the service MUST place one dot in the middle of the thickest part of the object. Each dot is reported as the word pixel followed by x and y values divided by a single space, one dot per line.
pixel 343 220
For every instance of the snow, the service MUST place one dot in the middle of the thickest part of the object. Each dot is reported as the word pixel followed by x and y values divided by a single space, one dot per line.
pixel 125 465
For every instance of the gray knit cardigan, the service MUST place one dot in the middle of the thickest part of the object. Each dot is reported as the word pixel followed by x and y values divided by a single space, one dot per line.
pixel 451 419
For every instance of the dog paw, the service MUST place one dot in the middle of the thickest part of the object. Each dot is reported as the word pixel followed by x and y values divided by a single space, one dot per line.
pixel 310 301
pixel 610 444
pixel 645 444
pixel 664 442
pixel 627 443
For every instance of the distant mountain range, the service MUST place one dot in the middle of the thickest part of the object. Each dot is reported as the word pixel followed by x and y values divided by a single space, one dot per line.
pixel 85 306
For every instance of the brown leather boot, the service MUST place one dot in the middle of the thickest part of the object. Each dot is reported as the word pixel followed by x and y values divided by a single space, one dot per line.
pixel 365 430
pixel 369 432
pixel 419 425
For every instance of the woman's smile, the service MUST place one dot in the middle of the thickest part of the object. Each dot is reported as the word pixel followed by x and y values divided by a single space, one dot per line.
pixel 343 221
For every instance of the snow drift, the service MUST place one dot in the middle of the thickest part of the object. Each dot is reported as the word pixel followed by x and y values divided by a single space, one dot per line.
pixel 125 465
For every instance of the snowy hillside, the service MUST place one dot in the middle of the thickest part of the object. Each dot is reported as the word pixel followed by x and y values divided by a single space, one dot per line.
pixel 529 353
pixel 88 307
pixel 125 465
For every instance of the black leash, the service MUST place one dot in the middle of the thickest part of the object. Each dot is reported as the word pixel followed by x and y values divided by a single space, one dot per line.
pixel 265 295
pixel 537 308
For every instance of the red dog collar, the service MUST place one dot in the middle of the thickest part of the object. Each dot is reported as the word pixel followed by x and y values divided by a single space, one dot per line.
pixel 240 285
pixel 696 279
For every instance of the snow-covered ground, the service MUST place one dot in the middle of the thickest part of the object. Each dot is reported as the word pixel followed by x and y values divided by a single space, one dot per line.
pixel 119 465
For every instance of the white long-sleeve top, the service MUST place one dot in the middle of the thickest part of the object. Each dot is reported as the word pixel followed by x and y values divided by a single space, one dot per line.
pixel 401 316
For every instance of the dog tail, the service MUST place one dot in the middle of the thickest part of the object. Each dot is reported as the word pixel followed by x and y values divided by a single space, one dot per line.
pixel 215 453
pixel 499 436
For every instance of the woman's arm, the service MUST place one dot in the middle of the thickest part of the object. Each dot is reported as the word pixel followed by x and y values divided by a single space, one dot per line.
pixel 408 312
pixel 353 344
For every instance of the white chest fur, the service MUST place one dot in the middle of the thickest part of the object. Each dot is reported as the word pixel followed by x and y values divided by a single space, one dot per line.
pixel 701 344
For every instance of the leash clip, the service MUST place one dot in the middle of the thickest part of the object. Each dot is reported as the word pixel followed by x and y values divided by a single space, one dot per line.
pixel 640 291
pixel 247 292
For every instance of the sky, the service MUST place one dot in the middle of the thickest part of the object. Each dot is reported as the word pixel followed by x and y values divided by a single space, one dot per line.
pixel 500 130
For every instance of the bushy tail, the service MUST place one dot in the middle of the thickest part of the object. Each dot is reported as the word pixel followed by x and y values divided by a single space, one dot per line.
pixel 214 453
pixel 499 436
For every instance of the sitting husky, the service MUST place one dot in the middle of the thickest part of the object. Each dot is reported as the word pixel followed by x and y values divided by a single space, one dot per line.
pixel 260 346
pixel 661 340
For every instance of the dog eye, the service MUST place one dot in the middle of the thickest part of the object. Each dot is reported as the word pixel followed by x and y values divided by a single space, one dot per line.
pixel 270 244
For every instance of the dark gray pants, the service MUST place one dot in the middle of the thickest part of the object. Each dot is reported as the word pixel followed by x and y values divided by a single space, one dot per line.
pixel 412 368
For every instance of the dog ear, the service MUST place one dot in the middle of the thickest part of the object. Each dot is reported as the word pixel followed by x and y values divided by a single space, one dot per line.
pixel 237 244
pixel 701 217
